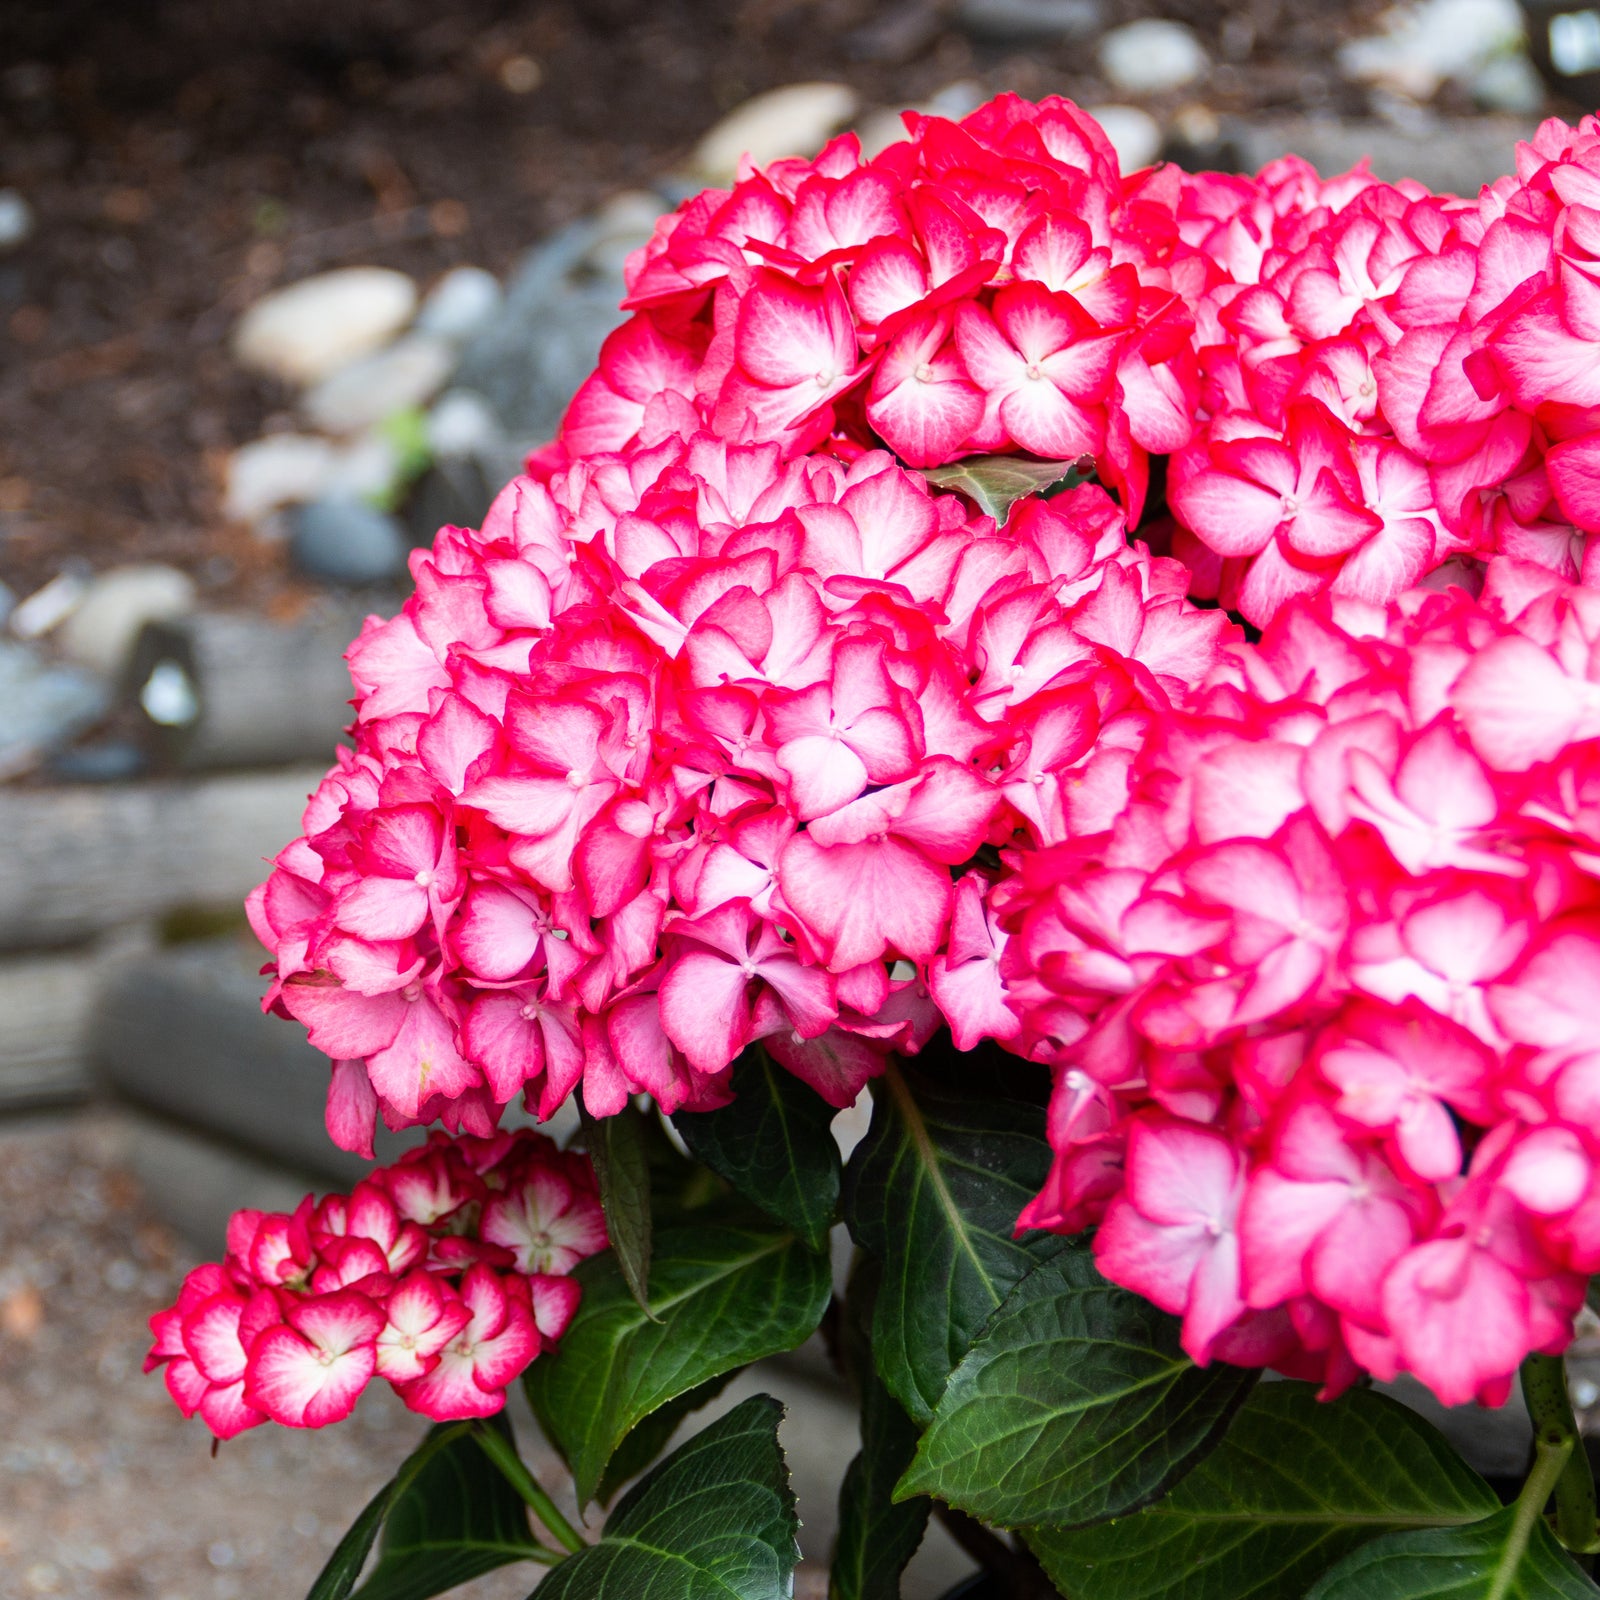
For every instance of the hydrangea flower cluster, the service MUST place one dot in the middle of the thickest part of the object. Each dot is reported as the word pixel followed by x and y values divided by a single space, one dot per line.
pixel 445 1273
pixel 983 286
pixel 1322 994
pixel 1390 378
pixel 728 726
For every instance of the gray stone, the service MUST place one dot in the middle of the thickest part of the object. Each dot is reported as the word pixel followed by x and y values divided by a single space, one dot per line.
pixel 461 304
pixel 368 468
pixel 1495 1441
pixel 48 607
pixel 283 469
pixel 117 604
pixel 42 705
pixel 347 542
pixel 16 220
pixel 463 423
pixel 1019 20
pixel 878 130
pixel 1153 56
pixel 795 120
pixel 1134 134
pixel 195 1183
pixel 1458 158
pixel 1509 83
pixel 227 690
pixel 454 492
pixel 530 361
pixel 407 374
pixel 1425 44
pixel 312 328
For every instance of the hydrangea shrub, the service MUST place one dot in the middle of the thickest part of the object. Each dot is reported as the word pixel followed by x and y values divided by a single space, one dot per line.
pixel 1107 666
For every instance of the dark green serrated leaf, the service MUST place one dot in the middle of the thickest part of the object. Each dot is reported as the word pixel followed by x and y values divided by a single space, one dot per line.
pixel 934 1191
pixel 1075 1404
pixel 457 1519
pixel 338 1577
pixel 774 1144
pixel 721 1296
pixel 877 1537
pixel 996 483
pixel 1487 1561
pixel 1295 1486
pixel 715 1521
pixel 621 1160
pixel 649 1438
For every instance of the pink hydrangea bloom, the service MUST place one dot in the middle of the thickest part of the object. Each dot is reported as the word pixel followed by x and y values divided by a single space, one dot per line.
pixel 403 1279
pixel 727 727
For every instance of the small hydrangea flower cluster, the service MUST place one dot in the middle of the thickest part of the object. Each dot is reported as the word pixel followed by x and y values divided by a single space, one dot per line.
pixel 726 727
pixel 445 1273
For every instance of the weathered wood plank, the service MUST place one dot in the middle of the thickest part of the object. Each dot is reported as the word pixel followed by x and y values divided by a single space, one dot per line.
pixel 44 1020
pixel 75 861
pixel 181 1032
pixel 239 691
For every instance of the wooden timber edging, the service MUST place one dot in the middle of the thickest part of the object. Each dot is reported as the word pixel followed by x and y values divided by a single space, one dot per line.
pixel 219 691
pixel 77 861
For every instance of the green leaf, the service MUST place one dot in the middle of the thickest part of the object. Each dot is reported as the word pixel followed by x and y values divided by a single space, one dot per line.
pixel 622 1166
pixel 774 1144
pixel 1076 1404
pixel 721 1296
pixel 649 1438
pixel 996 483
pixel 715 1521
pixel 338 1577
pixel 1295 1486
pixel 457 1519
pixel 934 1191
pixel 877 1537
pixel 1500 1558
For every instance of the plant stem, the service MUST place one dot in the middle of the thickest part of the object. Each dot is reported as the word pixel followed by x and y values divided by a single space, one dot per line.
pixel 1544 1386
pixel 1023 1577
pixel 503 1453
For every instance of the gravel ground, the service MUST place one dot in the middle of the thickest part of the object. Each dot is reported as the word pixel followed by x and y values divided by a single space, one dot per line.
pixel 185 156
pixel 107 1493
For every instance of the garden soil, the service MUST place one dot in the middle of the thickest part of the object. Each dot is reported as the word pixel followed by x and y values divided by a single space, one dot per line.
pixel 182 157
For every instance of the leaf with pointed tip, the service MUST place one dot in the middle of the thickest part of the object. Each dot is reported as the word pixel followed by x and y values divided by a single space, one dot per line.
pixel 1076 1403
pixel 722 1294
pixel 338 1577
pixel 774 1144
pixel 1496 1559
pixel 457 1519
pixel 647 1439
pixel 1295 1486
pixel 996 483
pixel 621 1160
pixel 934 1191
pixel 715 1521
pixel 877 1537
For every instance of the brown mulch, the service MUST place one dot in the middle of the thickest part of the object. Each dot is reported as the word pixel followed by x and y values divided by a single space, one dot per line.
pixel 184 156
